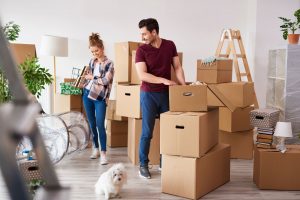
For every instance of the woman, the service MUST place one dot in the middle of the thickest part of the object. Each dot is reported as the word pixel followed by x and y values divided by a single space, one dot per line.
pixel 96 93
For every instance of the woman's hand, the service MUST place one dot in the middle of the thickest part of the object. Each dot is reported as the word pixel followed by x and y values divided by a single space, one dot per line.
pixel 88 76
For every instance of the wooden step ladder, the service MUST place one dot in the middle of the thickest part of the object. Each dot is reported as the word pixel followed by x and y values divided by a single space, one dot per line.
pixel 231 35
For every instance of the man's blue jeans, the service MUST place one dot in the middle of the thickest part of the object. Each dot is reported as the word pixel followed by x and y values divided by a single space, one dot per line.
pixel 95 111
pixel 152 104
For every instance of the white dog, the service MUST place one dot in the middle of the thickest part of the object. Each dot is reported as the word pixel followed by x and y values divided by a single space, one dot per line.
pixel 110 182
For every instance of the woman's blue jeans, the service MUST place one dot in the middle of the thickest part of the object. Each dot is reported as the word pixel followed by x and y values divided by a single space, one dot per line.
pixel 152 105
pixel 95 111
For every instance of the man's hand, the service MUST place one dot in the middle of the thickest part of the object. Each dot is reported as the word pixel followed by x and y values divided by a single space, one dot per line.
pixel 169 82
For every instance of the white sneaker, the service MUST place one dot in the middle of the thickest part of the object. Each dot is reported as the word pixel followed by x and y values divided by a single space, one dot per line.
pixel 95 153
pixel 103 160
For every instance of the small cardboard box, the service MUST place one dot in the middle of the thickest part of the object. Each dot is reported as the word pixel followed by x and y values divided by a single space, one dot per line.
pixel 123 60
pixel 116 133
pixel 219 71
pixel 188 98
pixel 235 94
pixel 195 177
pixel 30 170
pixel 134 76
pixel 111 112
pixel 189 134
pixel 134 134
pixel 22 51
pixel 128 101
pixel 241 143
pixel 264 118
pixel 238 120
pixel 275 170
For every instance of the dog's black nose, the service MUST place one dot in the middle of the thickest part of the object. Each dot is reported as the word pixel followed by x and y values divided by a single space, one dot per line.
pixel 119 179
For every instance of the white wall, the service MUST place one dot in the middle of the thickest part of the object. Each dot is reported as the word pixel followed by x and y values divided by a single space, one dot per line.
pixel 195 26
pixel 269 36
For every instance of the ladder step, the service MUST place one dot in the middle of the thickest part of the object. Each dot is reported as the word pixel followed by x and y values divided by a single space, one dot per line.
pixel 240 55
pixel 233 37
pixel 244 74
pixel 224 55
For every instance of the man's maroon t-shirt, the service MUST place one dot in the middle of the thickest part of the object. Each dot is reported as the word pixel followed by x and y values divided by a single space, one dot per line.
pixel 158 61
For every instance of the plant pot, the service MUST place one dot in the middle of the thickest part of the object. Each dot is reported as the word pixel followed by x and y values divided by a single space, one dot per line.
pixel 293 38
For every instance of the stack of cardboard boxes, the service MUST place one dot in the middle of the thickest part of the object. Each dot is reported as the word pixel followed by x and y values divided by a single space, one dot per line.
pixel 116 127
pixel 234 100
pixel 128 101
pixel 191 155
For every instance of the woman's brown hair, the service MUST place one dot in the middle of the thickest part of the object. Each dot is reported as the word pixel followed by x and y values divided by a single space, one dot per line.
pixel 96 41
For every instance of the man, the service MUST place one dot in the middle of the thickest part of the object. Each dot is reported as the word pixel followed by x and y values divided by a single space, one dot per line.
pixel 153 61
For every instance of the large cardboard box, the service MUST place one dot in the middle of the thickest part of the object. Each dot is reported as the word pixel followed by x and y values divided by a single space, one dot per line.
pixel 194 177
pixel 189 134
pixel 22 51
pixel 111 112
pixel 276 170
pixel 116 133
pixel 217 72
pixel 123 60
pixel 188 97
pixel 134 134
pixel 66 103
pixel 241 143
pixel 235 94
pixel 134 76
pixel 128 101
pixel 238 120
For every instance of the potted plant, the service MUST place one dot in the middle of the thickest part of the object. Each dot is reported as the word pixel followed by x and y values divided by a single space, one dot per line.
pixel 289 27
pixel 11 31
pixel 35 76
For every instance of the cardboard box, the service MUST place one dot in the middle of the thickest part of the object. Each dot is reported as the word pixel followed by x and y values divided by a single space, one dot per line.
pixel 194 177
pixel 264 118
pixel 235 94
pixel 188 97
pixel 134 76
pixel 66 103
pixel 241 143
pixel 238 120
pixel 116 133
pixel 188 134
pixel 111 112
pixel 218 72
pixel 128 101
pixel 134 134
pixel 123 60
pixel 22 51
pixel 276 170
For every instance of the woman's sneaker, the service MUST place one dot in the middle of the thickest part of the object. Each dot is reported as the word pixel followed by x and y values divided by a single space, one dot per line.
pixel 95 153
pixel 103 160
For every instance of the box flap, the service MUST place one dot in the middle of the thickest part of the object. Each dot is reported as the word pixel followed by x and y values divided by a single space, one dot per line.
pixel 221 97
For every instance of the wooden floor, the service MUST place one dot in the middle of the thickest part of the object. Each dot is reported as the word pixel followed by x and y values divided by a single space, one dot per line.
pixel 81 173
